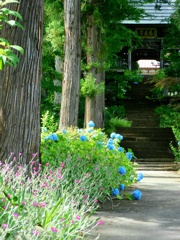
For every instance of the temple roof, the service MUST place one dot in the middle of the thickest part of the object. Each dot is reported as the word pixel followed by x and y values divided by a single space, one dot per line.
pixel 159 13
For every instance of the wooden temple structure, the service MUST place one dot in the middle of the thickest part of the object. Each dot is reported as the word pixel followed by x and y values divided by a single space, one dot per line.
pixel 152 29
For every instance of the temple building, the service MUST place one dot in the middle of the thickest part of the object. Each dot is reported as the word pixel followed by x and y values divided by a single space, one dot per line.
pixel 152 28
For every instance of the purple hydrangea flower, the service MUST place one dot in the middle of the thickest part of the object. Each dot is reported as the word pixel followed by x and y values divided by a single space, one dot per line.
pixel 122 170
pixel 136 194
pixel 115 191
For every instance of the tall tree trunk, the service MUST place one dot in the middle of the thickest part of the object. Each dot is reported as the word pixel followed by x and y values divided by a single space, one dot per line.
pixel 58 68
pixel 100 102
pixel 96 104
pixel 20 91
pixel 72 65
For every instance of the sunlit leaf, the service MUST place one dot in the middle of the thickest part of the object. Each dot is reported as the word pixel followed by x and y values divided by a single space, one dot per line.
pixel 18 48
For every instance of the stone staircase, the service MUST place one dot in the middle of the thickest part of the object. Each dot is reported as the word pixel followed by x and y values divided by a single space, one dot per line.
pixel 149 143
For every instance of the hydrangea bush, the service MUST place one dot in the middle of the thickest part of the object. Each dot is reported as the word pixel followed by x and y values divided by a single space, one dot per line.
pixel 90 151
pixel 56 198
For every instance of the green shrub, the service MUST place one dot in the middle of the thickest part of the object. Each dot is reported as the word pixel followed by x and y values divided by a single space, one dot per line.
pixel 169 116
pixel 176 149
pixel 116 123
pixel 91 152
pixel 115 118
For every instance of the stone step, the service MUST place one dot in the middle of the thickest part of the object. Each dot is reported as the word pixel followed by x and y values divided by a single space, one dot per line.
pixel 132 139
pixel 154 160
pixel 147 130
pixel 156 166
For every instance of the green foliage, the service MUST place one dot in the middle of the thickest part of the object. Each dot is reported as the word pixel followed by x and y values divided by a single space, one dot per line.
pixel 115 111
pixel 114 118
pixel 115 123
pixel 7 55
pixel 54 26
pixel 49 74
pixel 120 122
pixel 169 116
pixel 89 87
pixel 53 45
pixel 133 76
pixel 117 84
pixel 89 155
pixel 166 83
pixel 176 149
pixel 48 122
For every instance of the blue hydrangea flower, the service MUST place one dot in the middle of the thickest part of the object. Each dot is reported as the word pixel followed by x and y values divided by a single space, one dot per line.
pixel 111 146
pixel 79 130
pixel 140 177
pixel 83 138
pixel 136 194
pixel 91 124
pixel 121 149
pixel 179 143
pixel 115 191
pixel 89 130
pixel 44 129
pixel 110 141
pixel 129 155
pixel 64 131
pixel 121 187
pixel 119 136
pixel 52 136
pixel 113 135
pixel 122 170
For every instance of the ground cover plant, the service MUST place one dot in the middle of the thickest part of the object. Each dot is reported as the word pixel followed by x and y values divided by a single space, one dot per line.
pixel 45 205
pixel 169 116
pixel 55 199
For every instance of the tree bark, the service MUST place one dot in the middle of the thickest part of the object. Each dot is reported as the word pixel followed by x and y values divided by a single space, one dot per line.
pixel 58 68
pixel 20 90
pixel 96 104
pixel 100 102
pixel 72 65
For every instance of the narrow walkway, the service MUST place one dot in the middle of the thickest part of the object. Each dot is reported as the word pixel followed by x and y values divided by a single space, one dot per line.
pixel 155 217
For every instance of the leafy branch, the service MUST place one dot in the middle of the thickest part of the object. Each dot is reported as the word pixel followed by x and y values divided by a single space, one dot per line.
pixel 7 56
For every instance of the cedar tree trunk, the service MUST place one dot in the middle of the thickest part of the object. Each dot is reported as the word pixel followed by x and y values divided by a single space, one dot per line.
pixel 95 104
pixel 20 91
pixel 72 65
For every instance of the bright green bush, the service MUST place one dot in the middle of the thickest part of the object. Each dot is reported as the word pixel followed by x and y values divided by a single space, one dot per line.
pixel 115 118
pixel 176 148
pixel 89 151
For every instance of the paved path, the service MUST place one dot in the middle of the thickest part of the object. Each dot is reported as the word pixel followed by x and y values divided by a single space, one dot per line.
pixel 155 217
